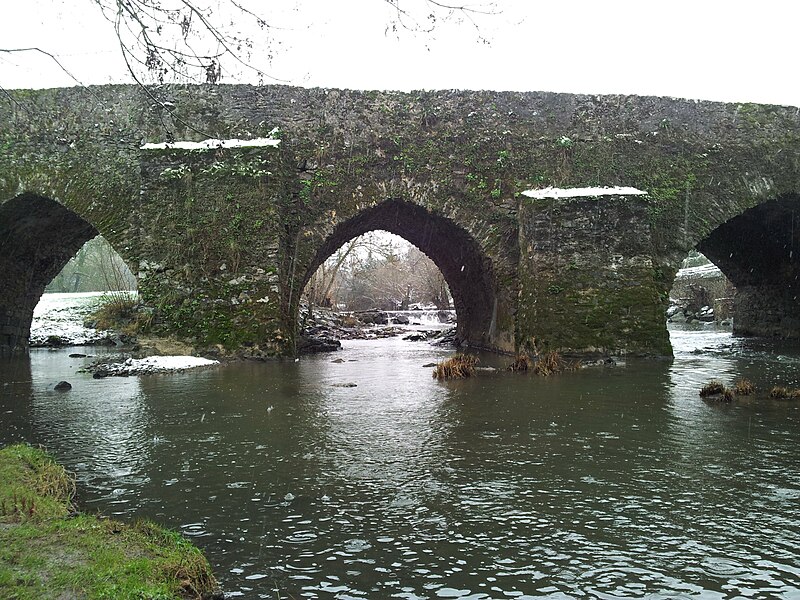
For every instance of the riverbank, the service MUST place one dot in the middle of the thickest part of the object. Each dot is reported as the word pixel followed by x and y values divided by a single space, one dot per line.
pixel 61 320
pixel 67 320
pixel 49 551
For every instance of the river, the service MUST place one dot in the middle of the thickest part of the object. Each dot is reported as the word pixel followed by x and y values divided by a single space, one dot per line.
pixel 604 483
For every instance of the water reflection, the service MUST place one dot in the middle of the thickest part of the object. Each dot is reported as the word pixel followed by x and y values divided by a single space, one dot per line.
pixel 602 483
pixel 100 426
pixel 727 463
pixel 16 398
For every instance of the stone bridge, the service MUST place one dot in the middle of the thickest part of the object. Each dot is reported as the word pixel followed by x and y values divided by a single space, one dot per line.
pixel 224 236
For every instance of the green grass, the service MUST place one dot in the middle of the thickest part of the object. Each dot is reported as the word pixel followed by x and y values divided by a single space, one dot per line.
pixel 32 486
pixel 46 553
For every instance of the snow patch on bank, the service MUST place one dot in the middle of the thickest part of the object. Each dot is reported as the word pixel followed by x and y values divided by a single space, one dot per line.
pixel 60 318
pixel 212 144
pixel 586 192
pixel 168 363
pixel 151 365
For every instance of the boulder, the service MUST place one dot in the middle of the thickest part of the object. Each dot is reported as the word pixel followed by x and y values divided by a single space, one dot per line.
pixel 416 337
pixel 55 341
pixel 314 344
pixel 678 317
pixel 373 317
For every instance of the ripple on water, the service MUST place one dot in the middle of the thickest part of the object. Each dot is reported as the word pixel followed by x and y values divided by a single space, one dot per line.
pixel 612 484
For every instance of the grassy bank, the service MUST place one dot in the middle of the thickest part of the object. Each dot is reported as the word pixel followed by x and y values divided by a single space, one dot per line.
pixel 47 551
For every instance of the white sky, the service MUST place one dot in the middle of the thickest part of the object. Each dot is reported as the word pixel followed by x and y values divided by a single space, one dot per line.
pixel 707 49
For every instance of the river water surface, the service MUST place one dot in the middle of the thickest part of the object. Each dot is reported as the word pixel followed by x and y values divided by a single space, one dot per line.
pixel 604 483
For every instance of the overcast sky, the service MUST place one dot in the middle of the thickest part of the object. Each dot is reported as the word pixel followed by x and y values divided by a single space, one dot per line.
pixel 706 49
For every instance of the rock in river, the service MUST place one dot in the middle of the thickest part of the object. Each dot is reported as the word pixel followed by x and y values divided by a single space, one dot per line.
pixel 313 344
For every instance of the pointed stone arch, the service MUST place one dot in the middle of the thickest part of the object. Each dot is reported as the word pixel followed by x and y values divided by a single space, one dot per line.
pixel 37 238
pixel 465 266
pixel 759 251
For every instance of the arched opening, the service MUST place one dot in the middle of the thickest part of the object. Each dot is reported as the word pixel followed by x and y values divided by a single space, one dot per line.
pixel 466 269
pixel 757 251
pixel 701 294
pixel 91 300
pixel 96 267
pixel 37 238
pixel 378 271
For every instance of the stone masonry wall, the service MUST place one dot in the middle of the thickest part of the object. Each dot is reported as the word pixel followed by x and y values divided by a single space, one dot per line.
pixel 464 157
pixel 589 278
pixel 208 254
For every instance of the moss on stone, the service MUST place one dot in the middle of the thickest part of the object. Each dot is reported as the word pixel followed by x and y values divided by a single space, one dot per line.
pixel 463 156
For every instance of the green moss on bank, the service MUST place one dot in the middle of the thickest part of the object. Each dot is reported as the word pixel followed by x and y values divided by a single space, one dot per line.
pixel 47 553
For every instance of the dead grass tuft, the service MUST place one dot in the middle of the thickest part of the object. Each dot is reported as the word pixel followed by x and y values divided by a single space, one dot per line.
pixel 121 312
pixel 550 363
pixel 712 388
pixel 522 362
pixel 784 393
pixel 744 387
pixel 459 366
pixel 715 390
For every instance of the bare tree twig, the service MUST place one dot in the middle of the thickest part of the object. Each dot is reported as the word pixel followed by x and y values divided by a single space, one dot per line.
pixel 46 53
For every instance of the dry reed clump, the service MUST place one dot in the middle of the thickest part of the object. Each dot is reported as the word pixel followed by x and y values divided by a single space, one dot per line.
pixel 120 311
pixel 744 387
pixel 712 388
pixel 784 393
pixel 715 390
pixel 552 362
pixel 522 362
pixel 457 367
